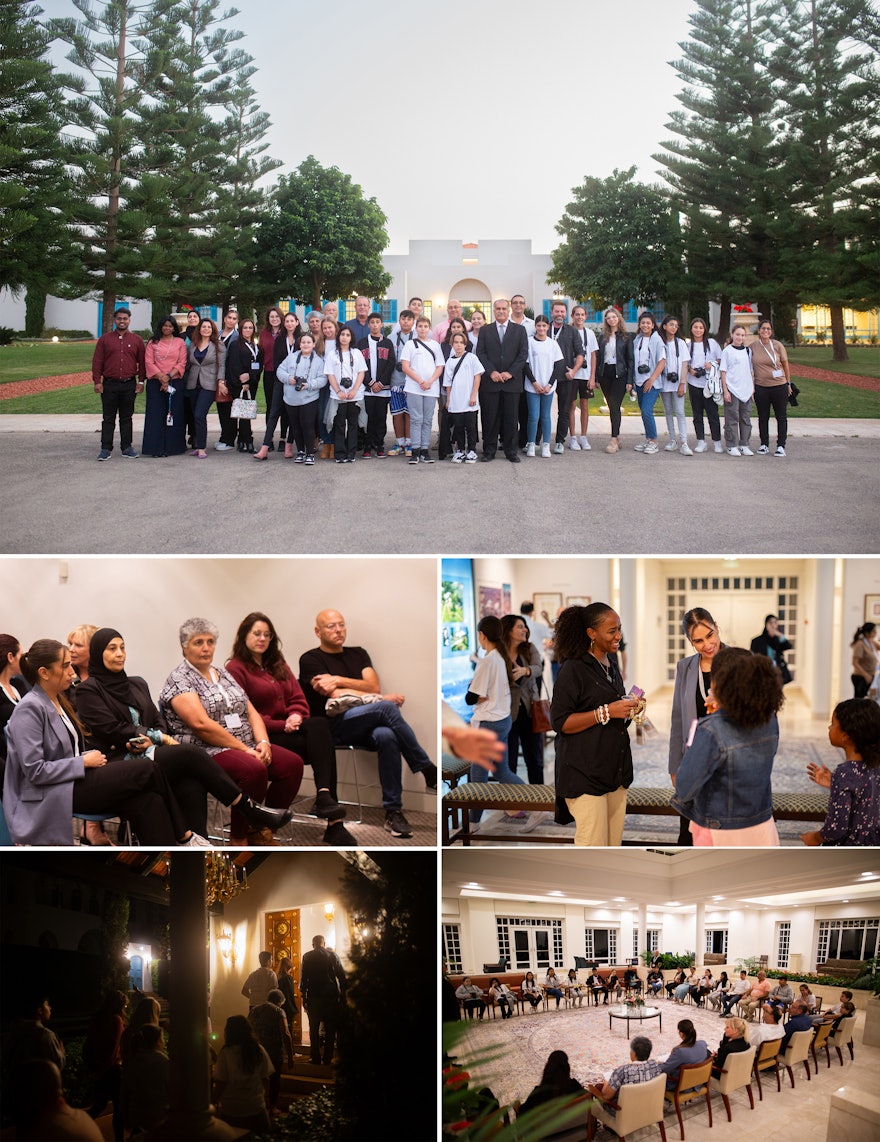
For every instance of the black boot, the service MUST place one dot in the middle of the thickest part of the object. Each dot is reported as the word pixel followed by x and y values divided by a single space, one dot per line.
pixel 337 835
pixel 259 817
pixel 327 807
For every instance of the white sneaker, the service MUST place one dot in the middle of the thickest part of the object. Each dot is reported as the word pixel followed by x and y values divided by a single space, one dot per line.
pixel 734 452
pixel 558 449
pixel 221 447
pixel 780 451
pixel 545 450
pixel 458 458
pixel 471 458
pixel 684 450
pixel 763 450
pixel 670 447
pixel 641 447
pixel 651 448
pixel 718 446
pixel 197 842
pixel 584 443
pixel 530 449
pixel 701 446
pixel 745 450
pixel 573 444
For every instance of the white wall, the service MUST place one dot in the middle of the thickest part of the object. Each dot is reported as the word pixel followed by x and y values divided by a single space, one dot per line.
pixel 147 599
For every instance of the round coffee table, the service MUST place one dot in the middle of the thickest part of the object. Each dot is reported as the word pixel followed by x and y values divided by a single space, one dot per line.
pixel 621 1011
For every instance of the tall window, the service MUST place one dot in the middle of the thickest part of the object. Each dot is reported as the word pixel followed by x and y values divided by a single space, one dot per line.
pixel 716 941
pixel 783 943
pixel 640 945
pixel 528 943
pixel 600 945
pixel 452 948
pixel 848 940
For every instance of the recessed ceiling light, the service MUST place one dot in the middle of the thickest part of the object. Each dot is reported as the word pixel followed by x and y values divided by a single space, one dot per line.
pixel 717 897
pixel 620 900
pixel 473 884
pixel 555 892
pixel 672 903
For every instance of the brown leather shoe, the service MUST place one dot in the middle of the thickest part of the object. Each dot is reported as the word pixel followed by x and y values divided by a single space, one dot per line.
pixel 263 838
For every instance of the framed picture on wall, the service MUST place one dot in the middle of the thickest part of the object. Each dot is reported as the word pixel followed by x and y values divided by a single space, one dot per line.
pixel 872 609
pixel 489 600
pixel 549 601
pixel 505 598
pixel 577 600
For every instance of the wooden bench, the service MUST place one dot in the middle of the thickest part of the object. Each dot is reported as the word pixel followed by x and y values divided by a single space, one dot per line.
pixel 807 806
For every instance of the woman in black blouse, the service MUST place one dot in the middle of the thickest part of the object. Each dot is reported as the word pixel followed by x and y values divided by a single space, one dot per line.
pixel 244 363
pixel 591 716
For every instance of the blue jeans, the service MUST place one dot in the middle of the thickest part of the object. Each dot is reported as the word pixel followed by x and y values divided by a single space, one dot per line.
pixel 539 406
pixel 380 726
pixel 503 772
pixel 647 400
pixel 200 401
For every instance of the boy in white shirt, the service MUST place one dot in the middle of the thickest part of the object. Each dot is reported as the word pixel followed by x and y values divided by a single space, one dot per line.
pixel 738 385
pixel 403 332
pixel 461 379
pixel 422 362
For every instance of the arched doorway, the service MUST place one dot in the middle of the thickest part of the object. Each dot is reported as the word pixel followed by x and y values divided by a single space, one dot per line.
pixel 473 294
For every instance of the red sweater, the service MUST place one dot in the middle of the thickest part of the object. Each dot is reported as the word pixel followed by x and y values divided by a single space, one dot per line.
pixel 274 700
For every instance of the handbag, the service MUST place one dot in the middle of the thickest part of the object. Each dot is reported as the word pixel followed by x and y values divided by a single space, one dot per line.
pixel 793 395
pixel 541 723
pixel 243 408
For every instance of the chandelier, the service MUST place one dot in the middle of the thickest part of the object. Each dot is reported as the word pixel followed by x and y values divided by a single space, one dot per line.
pixel 224 879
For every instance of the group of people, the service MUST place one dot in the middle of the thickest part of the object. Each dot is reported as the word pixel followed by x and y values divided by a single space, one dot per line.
pixel 85 738
pixel 331 385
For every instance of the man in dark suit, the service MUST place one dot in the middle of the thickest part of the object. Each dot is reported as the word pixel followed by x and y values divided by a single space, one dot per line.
pixel 569 343
pixel 322 983
pixel 503 349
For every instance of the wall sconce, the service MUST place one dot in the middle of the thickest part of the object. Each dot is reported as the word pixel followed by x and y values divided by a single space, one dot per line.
pixel 226 947
pixel 329 911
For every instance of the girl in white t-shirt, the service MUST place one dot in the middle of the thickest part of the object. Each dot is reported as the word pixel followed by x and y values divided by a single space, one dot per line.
pixel 422 363
pixel 241 1077
pixel 545 368
pixel 461 379
pixel 586 380
pixel 673 382
pixel 345 368
pixel 738 384
pixel 489 691
pixel 704 352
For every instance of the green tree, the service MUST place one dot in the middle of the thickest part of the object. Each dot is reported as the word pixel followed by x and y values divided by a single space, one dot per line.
pixel 721 164
pixel 828 94
pixel 33 187
pixel 622 241
pixel 321 237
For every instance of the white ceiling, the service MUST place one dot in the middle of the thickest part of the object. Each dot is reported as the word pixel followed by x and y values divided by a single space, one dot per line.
pixel 673 879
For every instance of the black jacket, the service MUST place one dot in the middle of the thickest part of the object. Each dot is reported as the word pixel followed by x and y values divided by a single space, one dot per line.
pixel 385 365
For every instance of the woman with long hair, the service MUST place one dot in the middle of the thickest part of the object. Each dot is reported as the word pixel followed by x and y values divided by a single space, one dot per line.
pixel 614 366
pixel 207 369
pixel 673 383
pixel 649 362
pixel 13 687
pixel 705 352
pixel 287 987
pixel 259 667
pixel 772 387
pixel 325 346
pixel 531 991
pixel 526 668
pixel 854 801
pixel 165 363
pixel 692 683
pixel 271 332
pixel 591 714
pixel 244 363
pixel 723 781
pixel 489 692
pixel 444 420
pixel 50 775
pixel 103 1059
pixel 302 379
pixel 345 368
pixel 689 1050
pixel 544 371
pixel 865 659
pixel 241 1077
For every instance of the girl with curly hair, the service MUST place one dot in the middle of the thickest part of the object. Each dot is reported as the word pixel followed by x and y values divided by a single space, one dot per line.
pixel 723 782
pixel 854 802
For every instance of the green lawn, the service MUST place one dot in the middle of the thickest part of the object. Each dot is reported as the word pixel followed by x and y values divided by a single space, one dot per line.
pixel 83 398
pixel 864 360
pixel 27 360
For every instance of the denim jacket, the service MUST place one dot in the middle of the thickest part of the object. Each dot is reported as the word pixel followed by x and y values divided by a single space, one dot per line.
pixel 723 781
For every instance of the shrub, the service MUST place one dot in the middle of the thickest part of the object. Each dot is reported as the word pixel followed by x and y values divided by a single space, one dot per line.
pixel 68 334
pixel 7 335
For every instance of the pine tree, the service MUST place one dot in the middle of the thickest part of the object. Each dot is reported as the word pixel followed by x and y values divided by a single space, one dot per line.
pixel 33 187
pixel 828 91
pixel 721 164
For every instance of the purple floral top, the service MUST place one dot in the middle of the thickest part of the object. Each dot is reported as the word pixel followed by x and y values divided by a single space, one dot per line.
pixel 853 806
pixel 221 698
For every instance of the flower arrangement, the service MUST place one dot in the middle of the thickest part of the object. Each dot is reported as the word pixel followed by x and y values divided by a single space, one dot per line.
pixel 634 1002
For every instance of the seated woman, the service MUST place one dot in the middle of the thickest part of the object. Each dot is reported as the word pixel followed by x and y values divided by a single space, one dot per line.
pixel 690 1050
pixel 683 990
pixel 259 668
pixel 613 986
pixel 12 686
pixel 702 987
pixel 553 985
pixel 123 723
pixel 501 994
pixel 573 987
pixel 50 775
pixel 531 991
pixel 556 1082
pixel 204 705
pixel 631 980
pixel 736 1038
pixel 679 978
pixel 721 989
pixel 807 997
pixel 655 981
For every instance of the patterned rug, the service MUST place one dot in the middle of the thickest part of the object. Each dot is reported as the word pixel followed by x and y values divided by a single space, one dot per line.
pixel 508 1055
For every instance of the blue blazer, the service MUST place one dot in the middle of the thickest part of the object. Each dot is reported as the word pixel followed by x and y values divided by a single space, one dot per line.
pixel 40 772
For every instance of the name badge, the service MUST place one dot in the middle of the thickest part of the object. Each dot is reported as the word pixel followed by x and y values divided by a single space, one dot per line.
pixel 255 366
pixel 693 730
pixel 233 721
pixel 778 373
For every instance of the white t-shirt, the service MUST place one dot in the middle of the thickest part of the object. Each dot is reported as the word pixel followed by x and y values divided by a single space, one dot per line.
pixel 243 1094
pixel 423 361
pixel 490 681
pixel 677 357
pixel 700 358
pixel 459 390
pixel 543 355
pixel 345 365
pixel 591 345
pixel 737 364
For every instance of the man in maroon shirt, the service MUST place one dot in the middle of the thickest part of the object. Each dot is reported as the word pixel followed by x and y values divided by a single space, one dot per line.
pixel 118 376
